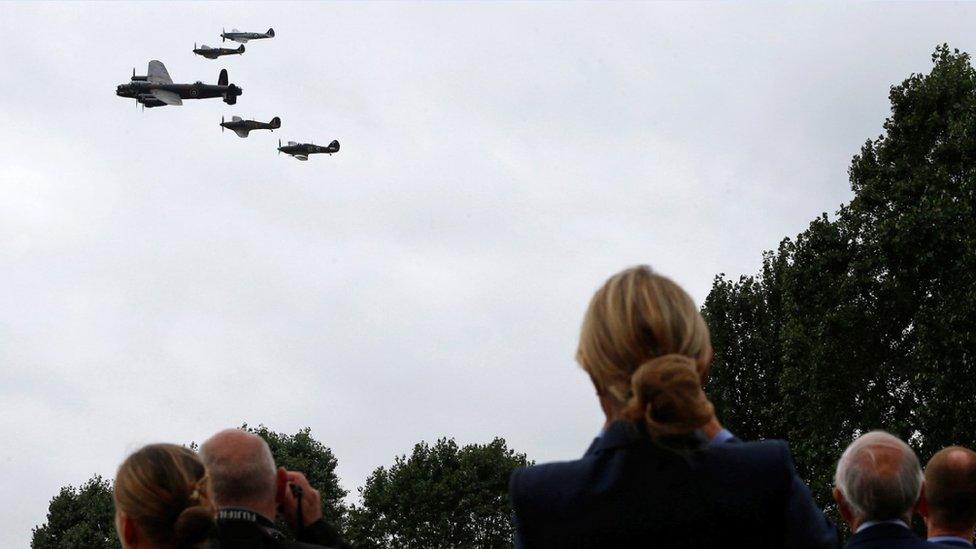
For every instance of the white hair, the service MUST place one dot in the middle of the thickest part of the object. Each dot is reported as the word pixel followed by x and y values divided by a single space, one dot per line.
pixel 879 476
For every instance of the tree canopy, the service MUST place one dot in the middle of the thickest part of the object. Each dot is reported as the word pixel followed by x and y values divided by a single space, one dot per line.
pixel 866 320
pixel 440 496
pixel 79 518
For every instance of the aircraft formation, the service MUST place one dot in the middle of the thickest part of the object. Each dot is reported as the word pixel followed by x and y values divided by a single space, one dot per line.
pixel 157 89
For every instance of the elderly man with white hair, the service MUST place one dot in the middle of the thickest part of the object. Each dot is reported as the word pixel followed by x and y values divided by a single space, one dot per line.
pixel 877 486
pixel 249 491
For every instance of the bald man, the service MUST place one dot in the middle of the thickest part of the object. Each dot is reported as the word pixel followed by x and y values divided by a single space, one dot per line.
pixel 949 498
pixel 249 490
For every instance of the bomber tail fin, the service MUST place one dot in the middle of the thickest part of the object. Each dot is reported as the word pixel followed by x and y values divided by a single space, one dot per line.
pixel 271 33
pixel 223 79
pixel 276 122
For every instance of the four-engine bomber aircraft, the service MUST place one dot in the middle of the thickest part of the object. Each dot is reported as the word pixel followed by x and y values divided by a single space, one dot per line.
pixel 157 88
pixel 244 127
pixel 213 53
pixel 302 150
pixel 242 37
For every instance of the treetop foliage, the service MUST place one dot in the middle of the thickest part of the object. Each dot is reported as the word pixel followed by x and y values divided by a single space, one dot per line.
pixel 440 496
pixel 866 320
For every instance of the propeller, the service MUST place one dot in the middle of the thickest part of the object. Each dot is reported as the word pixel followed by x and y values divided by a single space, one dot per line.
pixel 133 73
pixel 279 146
pixel 222 33
pixel 221 124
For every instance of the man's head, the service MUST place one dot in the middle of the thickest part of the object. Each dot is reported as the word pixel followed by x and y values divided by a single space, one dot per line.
pixel 242 471
pixel 950 491
pixel 878 478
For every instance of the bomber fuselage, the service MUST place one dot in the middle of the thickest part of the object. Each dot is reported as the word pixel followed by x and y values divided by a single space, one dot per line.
pixel 197 90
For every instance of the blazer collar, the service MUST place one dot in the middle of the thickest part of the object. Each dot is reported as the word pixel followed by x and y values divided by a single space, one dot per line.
pixel 623 433
pixel 882 532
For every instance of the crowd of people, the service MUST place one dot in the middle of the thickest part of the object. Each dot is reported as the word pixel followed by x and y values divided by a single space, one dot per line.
pixel 662 472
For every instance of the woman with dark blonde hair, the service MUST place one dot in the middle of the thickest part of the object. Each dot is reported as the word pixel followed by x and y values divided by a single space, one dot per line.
pixel 662 472
pixel 162 499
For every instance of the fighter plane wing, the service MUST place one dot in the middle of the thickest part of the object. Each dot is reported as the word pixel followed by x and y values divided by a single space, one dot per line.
pixel 301 157
pixel 168 97
pixel 242 132
pixel 157 73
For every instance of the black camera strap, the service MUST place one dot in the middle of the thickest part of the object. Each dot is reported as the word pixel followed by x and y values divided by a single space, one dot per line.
pixel 296 490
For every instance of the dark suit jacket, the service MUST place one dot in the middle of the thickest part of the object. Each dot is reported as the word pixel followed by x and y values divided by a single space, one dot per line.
pixel 630 492
pixel 888 536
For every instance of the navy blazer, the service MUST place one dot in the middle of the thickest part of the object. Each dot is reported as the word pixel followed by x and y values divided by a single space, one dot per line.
pixel 888 536
pixel 627 491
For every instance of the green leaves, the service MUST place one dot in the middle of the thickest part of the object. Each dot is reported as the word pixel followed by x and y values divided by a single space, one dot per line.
pixel 79 518
pixel 439 496
pixel 868 319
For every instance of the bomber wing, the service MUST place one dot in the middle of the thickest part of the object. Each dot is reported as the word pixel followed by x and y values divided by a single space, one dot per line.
pixel 157 73
pixel 168 97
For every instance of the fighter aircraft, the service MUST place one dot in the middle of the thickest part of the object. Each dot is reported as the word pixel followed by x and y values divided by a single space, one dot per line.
pixel 302 150
pixel 156 88
pixel 244 127
pixel 213 53
pixel 242 37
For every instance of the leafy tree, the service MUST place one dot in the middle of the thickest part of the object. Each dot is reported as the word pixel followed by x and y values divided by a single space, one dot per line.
pixel 439 496
pixel 866 321
pixel 79 518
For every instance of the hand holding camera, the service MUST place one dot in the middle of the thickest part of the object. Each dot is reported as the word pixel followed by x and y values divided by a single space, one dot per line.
pixel 297 499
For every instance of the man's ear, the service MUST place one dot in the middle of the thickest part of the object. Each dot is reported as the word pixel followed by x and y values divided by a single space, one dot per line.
pixel 845 511
pixel 922 505
pixel 281 485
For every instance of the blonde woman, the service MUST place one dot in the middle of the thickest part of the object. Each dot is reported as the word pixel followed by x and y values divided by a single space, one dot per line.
pixel 662 472
pixel 162 499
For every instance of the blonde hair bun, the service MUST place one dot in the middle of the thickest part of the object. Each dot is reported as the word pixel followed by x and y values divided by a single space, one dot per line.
pixel 667 396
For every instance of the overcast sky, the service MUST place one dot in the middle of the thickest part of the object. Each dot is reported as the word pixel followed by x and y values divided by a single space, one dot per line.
pixel 160 281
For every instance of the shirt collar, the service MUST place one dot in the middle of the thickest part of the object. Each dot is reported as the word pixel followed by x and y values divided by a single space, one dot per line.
pixel 721 437
pixel 869 523
pixel 940 539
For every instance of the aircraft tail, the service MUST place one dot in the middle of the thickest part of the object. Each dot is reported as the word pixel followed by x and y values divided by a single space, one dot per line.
pixel 271 33
pixel 223 79
pixel 334 145
pixel 276 122
pixel 240 49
